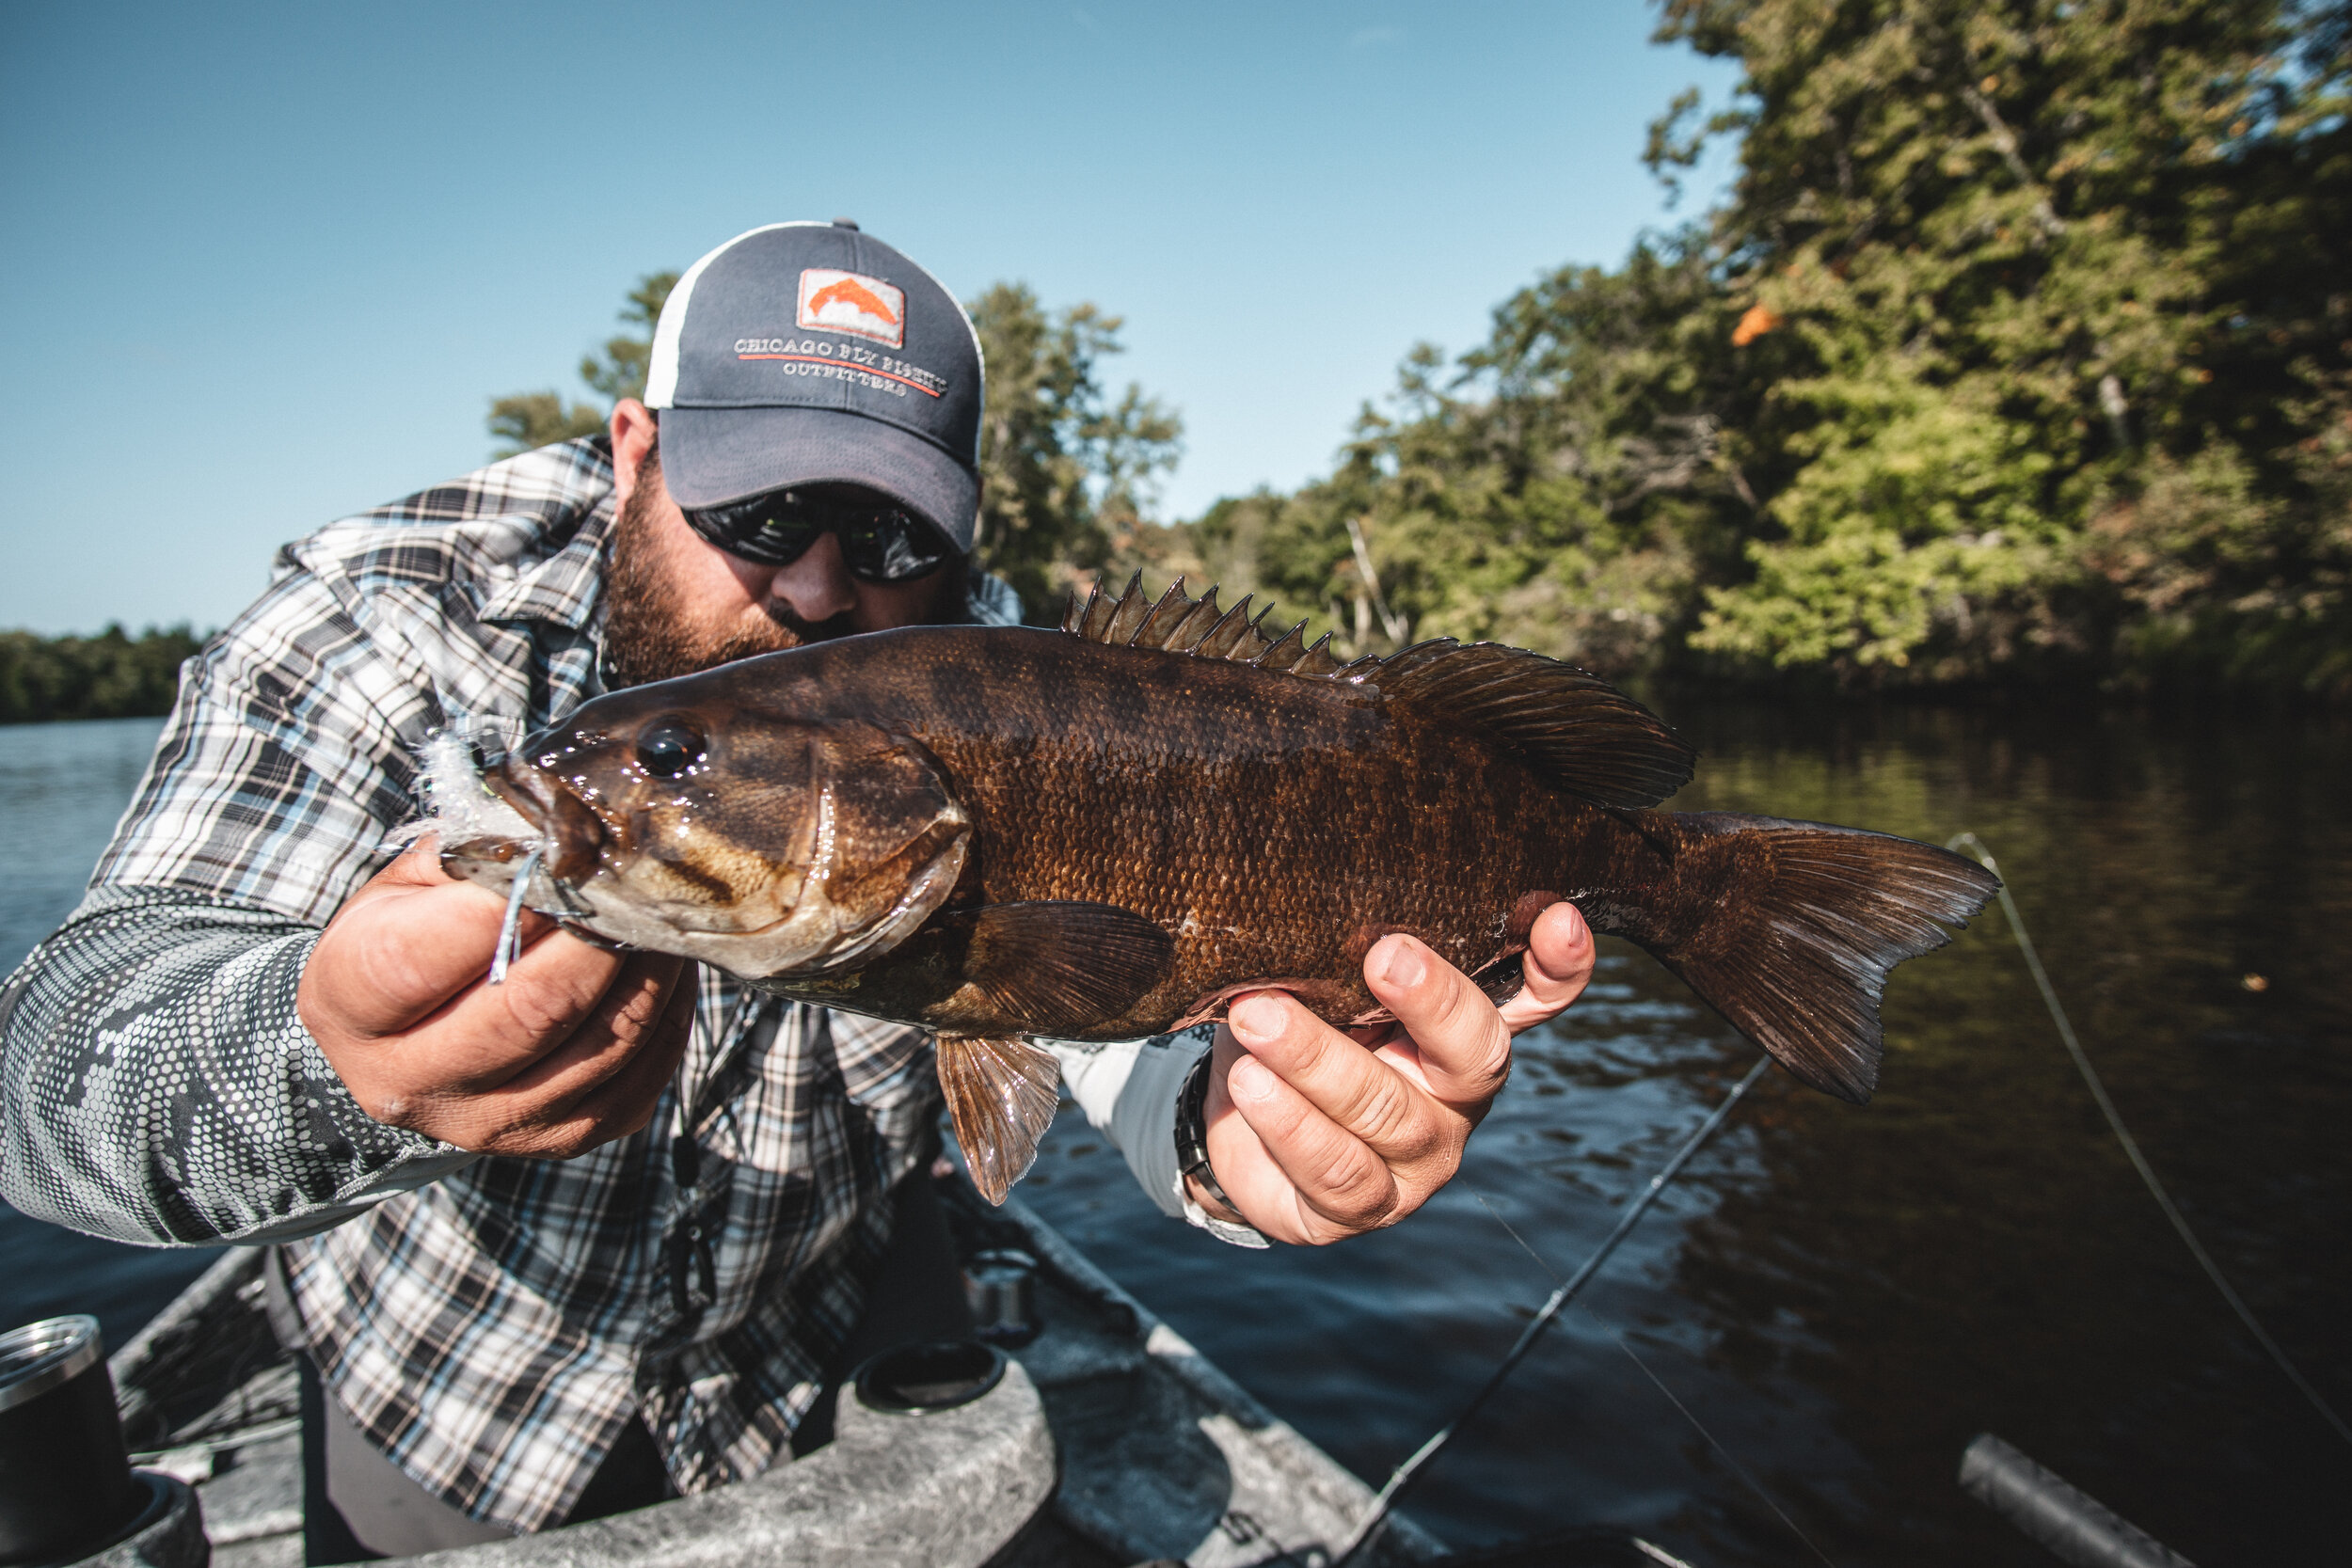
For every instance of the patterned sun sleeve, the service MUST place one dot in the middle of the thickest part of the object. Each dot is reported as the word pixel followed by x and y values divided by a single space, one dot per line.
pixel 161 1089
pixel 159 1086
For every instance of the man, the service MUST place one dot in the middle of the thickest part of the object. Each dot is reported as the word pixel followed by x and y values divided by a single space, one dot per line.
pixel 563 1246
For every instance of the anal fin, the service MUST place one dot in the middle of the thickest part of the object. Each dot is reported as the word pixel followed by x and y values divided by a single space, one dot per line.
pixel 1002 1094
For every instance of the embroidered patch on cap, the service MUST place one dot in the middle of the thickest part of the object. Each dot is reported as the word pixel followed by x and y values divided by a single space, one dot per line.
pixel 850 302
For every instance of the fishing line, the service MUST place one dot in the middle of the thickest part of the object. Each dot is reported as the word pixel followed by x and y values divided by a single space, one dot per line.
pixel 2131 1146
pixel 1700 1427
pixel 1377 1515
pixel 511 930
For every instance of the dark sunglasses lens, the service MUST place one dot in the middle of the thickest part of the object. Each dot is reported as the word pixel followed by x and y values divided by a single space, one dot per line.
pixel 760 529
pixel 777 529
pixel 891 547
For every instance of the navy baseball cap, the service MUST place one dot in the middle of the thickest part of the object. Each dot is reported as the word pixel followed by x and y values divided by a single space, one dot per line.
pixel 810 354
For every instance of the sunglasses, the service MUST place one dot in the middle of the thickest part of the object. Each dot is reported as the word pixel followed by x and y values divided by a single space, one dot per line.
pixel 879 543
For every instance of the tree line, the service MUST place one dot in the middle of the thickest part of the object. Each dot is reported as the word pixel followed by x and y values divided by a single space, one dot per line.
pixel 2019 350
pixel 111 675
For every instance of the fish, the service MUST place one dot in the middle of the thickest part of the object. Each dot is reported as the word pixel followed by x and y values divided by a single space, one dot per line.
pixel 848 290
pixel 1114 828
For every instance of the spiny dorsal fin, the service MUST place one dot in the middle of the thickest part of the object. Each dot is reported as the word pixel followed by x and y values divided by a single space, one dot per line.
pixel 1585 733
pixel 1128 614
pixel 1176 623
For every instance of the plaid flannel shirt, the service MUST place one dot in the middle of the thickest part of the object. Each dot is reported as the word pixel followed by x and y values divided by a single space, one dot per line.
pixel 489 1323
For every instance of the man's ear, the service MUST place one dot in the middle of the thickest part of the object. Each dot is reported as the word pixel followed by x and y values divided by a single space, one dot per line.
pixel 633 430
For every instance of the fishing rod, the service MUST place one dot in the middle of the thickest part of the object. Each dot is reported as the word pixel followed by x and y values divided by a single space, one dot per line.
pixel 1369 1529
pixel 1626 1345
pixel 2131 1146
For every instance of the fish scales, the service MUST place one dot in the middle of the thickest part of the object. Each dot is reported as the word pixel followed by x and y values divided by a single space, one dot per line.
pixel 1205 797
pixel 1109 830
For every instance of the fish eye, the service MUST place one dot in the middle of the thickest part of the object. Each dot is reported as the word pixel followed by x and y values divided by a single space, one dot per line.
pixel 669 747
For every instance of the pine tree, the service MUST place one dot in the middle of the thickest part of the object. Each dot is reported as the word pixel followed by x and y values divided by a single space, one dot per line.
pixel 523 421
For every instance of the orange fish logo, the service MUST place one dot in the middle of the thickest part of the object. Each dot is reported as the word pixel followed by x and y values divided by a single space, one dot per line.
pixel 852 303
pixel 851 291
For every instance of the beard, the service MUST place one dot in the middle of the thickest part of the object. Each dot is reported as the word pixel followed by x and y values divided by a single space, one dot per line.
pixel 651 633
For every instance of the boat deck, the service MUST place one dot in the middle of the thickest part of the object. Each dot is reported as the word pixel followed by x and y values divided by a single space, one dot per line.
pixel 1156 1454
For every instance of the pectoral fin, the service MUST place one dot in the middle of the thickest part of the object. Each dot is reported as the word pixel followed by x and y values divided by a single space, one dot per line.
pixel 1056 966
pixel 1002 1094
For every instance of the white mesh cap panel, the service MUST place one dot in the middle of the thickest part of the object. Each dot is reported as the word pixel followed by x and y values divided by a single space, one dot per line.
pixel 661 367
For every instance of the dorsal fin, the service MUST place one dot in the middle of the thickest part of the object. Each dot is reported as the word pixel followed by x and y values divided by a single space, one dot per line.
pixel 1586 733
pixel 1576 726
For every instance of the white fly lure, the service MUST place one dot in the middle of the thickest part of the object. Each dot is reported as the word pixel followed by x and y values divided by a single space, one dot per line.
pixel 458 806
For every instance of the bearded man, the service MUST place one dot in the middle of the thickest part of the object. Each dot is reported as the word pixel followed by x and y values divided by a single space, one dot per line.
pixel 609 1231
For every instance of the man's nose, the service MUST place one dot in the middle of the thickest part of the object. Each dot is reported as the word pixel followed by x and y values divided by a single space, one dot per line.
pixel 817 586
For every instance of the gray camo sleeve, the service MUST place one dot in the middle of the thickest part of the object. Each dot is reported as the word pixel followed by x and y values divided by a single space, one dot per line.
pixel 159 1087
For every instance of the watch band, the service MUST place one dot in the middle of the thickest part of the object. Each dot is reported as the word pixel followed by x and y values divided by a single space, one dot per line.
pixel 1192 1130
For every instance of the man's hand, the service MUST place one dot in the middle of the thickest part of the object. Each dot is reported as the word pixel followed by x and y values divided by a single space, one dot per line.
pixel 571 1052
pixel 1315 1137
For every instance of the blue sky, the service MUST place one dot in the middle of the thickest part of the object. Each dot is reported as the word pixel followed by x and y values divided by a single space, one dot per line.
pixel 268 263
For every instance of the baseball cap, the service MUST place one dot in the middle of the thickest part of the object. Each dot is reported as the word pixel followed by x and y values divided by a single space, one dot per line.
pixel 812 352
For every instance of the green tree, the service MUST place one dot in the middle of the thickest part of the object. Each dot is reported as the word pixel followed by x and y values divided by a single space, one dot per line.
pixel 2004 250
pixel 2019 344
pixel 112 675
pixel 523 421
pixel 1067 470
pixel 1564 486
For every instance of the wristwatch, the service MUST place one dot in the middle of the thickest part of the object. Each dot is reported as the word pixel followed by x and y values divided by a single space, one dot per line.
pixel 1192 1131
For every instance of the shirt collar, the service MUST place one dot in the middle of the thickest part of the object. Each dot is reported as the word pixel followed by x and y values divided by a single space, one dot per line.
pixel 567 586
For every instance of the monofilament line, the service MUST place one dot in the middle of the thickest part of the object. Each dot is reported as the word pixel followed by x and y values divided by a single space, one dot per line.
pixel 1700 1427
pixel 2131 1146
pixel 510 928
pixel 1377 1515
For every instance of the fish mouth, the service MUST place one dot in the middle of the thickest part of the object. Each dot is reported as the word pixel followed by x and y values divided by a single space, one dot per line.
pixel 573 833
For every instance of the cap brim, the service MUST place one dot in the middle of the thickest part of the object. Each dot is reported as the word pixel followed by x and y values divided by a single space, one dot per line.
pixel 712 456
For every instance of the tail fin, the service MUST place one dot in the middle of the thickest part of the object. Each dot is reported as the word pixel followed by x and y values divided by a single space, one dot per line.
pixel 1796 951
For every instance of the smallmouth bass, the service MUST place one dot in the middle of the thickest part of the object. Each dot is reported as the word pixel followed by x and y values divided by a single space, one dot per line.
pixel 1113 830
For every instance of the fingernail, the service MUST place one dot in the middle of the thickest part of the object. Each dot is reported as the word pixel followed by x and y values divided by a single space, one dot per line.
pixel 1256 1019
pixel 1249 1080
pixel 1402 968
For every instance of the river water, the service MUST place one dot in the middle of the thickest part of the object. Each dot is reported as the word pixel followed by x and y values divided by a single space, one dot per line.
pixel 1833 1300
